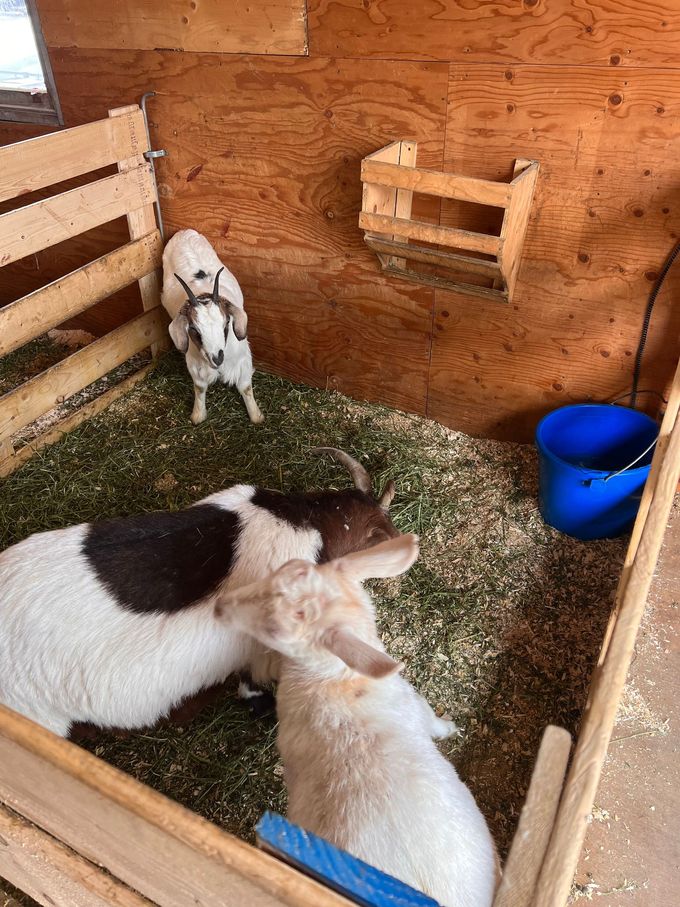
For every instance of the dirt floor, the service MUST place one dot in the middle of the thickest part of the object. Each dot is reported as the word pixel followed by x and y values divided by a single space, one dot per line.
pixel 498 623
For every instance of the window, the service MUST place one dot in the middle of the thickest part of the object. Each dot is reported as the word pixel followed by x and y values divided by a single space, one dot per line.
pixel 27 93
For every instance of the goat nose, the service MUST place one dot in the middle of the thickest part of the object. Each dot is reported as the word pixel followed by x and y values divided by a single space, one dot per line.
pixel 219 358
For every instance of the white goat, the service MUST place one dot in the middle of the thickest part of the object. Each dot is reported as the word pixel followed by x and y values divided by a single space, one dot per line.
pixel 359 761
pixel 204 300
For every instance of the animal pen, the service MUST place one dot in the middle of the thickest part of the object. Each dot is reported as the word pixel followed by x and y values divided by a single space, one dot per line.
pixel 74 830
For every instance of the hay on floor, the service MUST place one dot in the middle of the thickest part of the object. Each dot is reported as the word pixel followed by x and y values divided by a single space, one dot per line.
pixel 498 623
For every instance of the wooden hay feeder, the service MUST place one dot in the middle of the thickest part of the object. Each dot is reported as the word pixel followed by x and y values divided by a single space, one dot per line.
pixel 76 832
pixel 390 178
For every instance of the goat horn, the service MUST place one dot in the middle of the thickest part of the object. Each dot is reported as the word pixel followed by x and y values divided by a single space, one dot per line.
pixel 387 495
pixel 187 289
pixel 361 478
pixel 216 286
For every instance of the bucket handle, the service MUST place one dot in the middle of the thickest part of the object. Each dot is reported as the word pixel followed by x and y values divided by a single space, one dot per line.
pixel 630 394
pixel 646 451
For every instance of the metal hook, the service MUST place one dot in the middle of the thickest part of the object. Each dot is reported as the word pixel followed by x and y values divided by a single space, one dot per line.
pixel 150 157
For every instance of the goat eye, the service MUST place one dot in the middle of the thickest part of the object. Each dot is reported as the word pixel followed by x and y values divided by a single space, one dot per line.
pixel 195 334
pixel 226 330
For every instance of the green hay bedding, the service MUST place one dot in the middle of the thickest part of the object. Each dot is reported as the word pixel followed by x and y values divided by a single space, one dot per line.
pixel 498 623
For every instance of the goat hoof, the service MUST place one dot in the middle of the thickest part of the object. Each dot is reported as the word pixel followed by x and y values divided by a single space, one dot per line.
pixel 258 419
pixel 197 418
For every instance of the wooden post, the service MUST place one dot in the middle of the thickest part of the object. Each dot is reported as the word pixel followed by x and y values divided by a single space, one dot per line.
pixel 565 845
pixel 669 419
pixel 404 201
pixel 536 821
pixel 141 222
pixel 516 220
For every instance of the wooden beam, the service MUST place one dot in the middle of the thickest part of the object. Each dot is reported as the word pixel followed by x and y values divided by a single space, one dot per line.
pixel 140 222
pixel 446 236
pixel 436 257
pixel 382 199
pixel 516 220
pixel 669 419
pixel 30 400
pixel 45 223
pixel 49 159
pixel 11 459
pixel 404 201
pixel 609 678
pixel 432 182
pixel 536 821
pixel 209 26
pixel 32 315
pixel 162 850
pixel 54 875
pixel 446 283
pixel 390 152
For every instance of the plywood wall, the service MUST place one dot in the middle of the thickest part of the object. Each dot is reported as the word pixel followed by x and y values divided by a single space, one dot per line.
pixel 266 112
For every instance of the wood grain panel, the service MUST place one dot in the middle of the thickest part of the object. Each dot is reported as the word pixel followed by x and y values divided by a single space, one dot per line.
pixel 372 344
pixel 30 274
pixel 51 305
pixel 38 395
pixel 18 132
pixel 265 155
pixel 605 214
pixel 52 874
pixel 613 32
pixel 28 230
pixel 156 846
pixel 38 162
pixel 47 265
pixel 264 158
pixel 222 26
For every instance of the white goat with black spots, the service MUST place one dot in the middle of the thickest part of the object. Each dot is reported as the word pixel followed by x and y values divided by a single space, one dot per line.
pixel 112 623
pixel 209 323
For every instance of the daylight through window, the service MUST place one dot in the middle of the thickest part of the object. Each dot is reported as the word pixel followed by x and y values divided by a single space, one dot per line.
pixel 26 86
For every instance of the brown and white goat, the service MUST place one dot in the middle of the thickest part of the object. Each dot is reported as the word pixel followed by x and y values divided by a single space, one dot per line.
pixel 112 623
pixel 209 323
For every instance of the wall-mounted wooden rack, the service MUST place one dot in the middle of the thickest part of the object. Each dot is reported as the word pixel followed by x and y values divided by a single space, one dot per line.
pixel 390 178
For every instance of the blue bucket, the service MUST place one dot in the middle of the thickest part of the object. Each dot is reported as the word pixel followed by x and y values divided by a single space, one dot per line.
pixel 594 460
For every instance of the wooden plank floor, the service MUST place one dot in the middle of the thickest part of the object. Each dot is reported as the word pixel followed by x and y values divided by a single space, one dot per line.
pixel 633 845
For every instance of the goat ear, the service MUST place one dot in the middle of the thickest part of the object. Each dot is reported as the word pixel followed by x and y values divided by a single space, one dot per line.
pixel 387 495
pixel 389 558
pixel 243 607
pixel 179 331
pixel 359 655
pixel 240 319
pixel 258 608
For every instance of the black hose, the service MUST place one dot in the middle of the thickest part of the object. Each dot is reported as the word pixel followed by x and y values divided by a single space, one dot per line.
pixel 645 322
